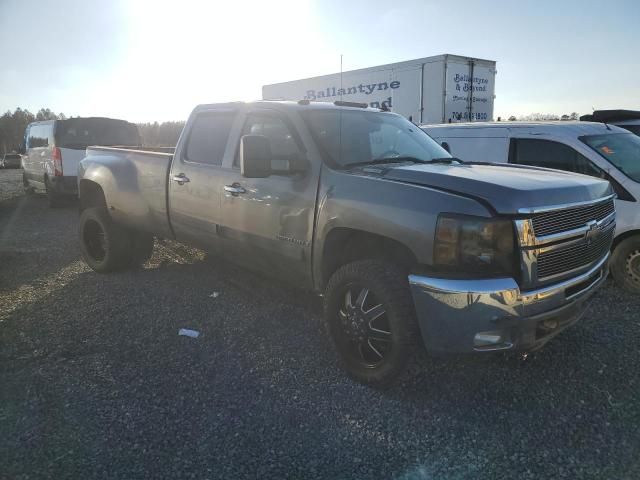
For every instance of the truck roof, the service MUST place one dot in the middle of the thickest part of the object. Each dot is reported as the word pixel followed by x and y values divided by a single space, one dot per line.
pixel 575 127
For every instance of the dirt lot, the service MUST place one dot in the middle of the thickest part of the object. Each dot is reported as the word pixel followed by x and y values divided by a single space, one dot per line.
pixel 10 183
pixel 96 383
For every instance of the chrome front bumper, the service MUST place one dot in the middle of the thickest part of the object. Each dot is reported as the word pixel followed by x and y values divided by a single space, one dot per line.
pixel 461 316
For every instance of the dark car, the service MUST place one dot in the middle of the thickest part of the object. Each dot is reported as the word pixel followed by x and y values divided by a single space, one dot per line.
pixel 11 160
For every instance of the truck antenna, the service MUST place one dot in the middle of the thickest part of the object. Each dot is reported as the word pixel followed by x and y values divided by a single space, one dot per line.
pixel 340 117
pixel 341 77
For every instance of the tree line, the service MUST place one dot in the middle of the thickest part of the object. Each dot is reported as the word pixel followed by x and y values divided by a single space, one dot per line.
pixel 545 117
pixel 13 125
pixel 163 134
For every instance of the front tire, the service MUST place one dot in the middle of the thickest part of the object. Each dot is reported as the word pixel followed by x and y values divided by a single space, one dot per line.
pixel 370 315
pixel 625 264
pixel 105 245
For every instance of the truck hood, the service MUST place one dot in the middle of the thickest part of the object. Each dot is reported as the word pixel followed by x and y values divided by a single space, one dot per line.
pixel 507 188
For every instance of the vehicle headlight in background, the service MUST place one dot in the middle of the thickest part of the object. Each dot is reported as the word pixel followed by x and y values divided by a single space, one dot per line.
pixel 475 245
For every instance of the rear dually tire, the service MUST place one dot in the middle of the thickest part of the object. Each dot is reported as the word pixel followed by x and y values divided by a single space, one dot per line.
pixel 105 245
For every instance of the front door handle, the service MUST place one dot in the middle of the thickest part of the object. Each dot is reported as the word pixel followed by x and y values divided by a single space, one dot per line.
pixel 181 178
pixel 234 189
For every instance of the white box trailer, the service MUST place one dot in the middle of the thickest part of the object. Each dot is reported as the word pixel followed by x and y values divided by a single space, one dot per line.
pixel 441 89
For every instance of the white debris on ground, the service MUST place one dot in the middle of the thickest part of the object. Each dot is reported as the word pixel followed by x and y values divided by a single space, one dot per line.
pixel 185 332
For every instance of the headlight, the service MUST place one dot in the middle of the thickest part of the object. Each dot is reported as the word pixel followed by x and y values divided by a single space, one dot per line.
pixel 474 245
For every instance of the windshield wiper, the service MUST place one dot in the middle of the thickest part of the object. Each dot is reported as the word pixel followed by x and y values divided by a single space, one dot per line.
pixel 378 161
pixel 444 160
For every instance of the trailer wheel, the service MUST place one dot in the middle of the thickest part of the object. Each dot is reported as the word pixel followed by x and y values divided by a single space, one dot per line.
pixel 105 245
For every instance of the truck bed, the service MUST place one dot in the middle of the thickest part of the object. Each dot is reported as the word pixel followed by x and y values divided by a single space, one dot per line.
pixel 134 182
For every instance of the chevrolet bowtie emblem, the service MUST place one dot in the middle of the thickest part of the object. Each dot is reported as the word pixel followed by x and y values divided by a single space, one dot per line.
pixel 593 232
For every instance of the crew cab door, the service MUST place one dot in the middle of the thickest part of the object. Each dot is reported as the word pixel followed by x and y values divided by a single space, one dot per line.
pixel 268 222
pixel 196 175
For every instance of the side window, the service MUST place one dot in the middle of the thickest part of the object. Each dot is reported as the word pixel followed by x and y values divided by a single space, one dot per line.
pixel 208 137
pixel 548 154
pixel 281 138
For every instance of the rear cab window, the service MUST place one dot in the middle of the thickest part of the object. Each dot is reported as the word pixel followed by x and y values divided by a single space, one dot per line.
pixel 208 137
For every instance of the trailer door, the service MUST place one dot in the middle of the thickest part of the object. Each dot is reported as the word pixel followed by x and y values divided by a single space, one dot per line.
pixel 469 92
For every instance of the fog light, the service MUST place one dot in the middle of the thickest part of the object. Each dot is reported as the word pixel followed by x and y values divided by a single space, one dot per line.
pixel 484 339
pixel 496 339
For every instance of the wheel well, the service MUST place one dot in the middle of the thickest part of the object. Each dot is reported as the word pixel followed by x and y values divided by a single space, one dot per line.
pixel 91 195
pixel 345 245
pixel 624 236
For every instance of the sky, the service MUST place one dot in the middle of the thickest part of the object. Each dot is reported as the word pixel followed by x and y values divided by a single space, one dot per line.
pixel 146 60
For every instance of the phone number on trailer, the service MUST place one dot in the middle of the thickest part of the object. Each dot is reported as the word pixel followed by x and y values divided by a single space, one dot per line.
pixel 474 115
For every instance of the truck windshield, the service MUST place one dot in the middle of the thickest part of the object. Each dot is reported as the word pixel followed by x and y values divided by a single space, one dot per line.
pixel 85 132
pixel 622 150
pixel 348 137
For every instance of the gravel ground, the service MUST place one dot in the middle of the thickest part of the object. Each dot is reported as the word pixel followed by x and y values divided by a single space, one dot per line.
pixel 10 183
pixel 96 383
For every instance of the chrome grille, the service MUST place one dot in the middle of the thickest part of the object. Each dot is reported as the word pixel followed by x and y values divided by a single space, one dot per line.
pixel 566 259
pixel 549 223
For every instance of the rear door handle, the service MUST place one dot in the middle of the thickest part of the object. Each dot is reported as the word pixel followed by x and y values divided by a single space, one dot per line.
pixel 234 189
pixel 181 178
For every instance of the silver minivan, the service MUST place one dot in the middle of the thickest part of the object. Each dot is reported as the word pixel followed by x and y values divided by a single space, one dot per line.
pixel 588 148
pixel 52 150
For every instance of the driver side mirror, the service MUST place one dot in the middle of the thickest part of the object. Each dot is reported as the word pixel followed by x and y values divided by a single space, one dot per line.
pixel 446 146
pixel 255 156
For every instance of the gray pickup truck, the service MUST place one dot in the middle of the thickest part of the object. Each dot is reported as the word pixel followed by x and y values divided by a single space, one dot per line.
pixel 410 248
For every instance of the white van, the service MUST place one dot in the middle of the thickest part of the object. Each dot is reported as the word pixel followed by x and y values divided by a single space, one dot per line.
pixel 52 150
pixel 595 149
